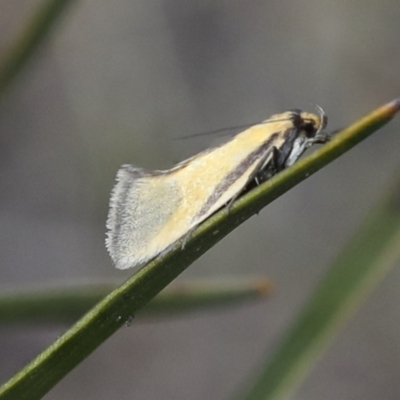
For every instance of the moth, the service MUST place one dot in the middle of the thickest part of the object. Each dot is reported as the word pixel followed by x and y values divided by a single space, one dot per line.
pixel 151 210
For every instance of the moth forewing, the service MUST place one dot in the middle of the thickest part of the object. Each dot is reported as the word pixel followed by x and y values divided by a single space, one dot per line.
pixel 151 210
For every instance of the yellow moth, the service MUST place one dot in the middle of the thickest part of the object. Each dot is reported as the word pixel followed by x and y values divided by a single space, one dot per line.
pixel 151 210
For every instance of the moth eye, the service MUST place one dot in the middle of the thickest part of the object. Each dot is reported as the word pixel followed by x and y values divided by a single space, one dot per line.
pixel 309 129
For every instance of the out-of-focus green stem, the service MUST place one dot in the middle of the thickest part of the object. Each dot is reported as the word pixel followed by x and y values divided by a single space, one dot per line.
pixel 56 304
pixel 34 33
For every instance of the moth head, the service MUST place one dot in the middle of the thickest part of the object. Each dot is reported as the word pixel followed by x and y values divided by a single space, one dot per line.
pixel 310 130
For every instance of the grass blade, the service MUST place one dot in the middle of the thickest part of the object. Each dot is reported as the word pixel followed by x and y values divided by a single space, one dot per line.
pixel 35 33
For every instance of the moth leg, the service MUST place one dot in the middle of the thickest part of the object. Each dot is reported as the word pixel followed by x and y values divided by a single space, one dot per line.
pixel 264 171
pixel 325 137
pixel 186 237
pixel 273 164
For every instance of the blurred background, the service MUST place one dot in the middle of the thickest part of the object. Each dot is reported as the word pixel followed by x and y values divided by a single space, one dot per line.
pixel 118 82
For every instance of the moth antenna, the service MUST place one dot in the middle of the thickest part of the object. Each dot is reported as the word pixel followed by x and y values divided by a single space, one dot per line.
pixel 230 128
